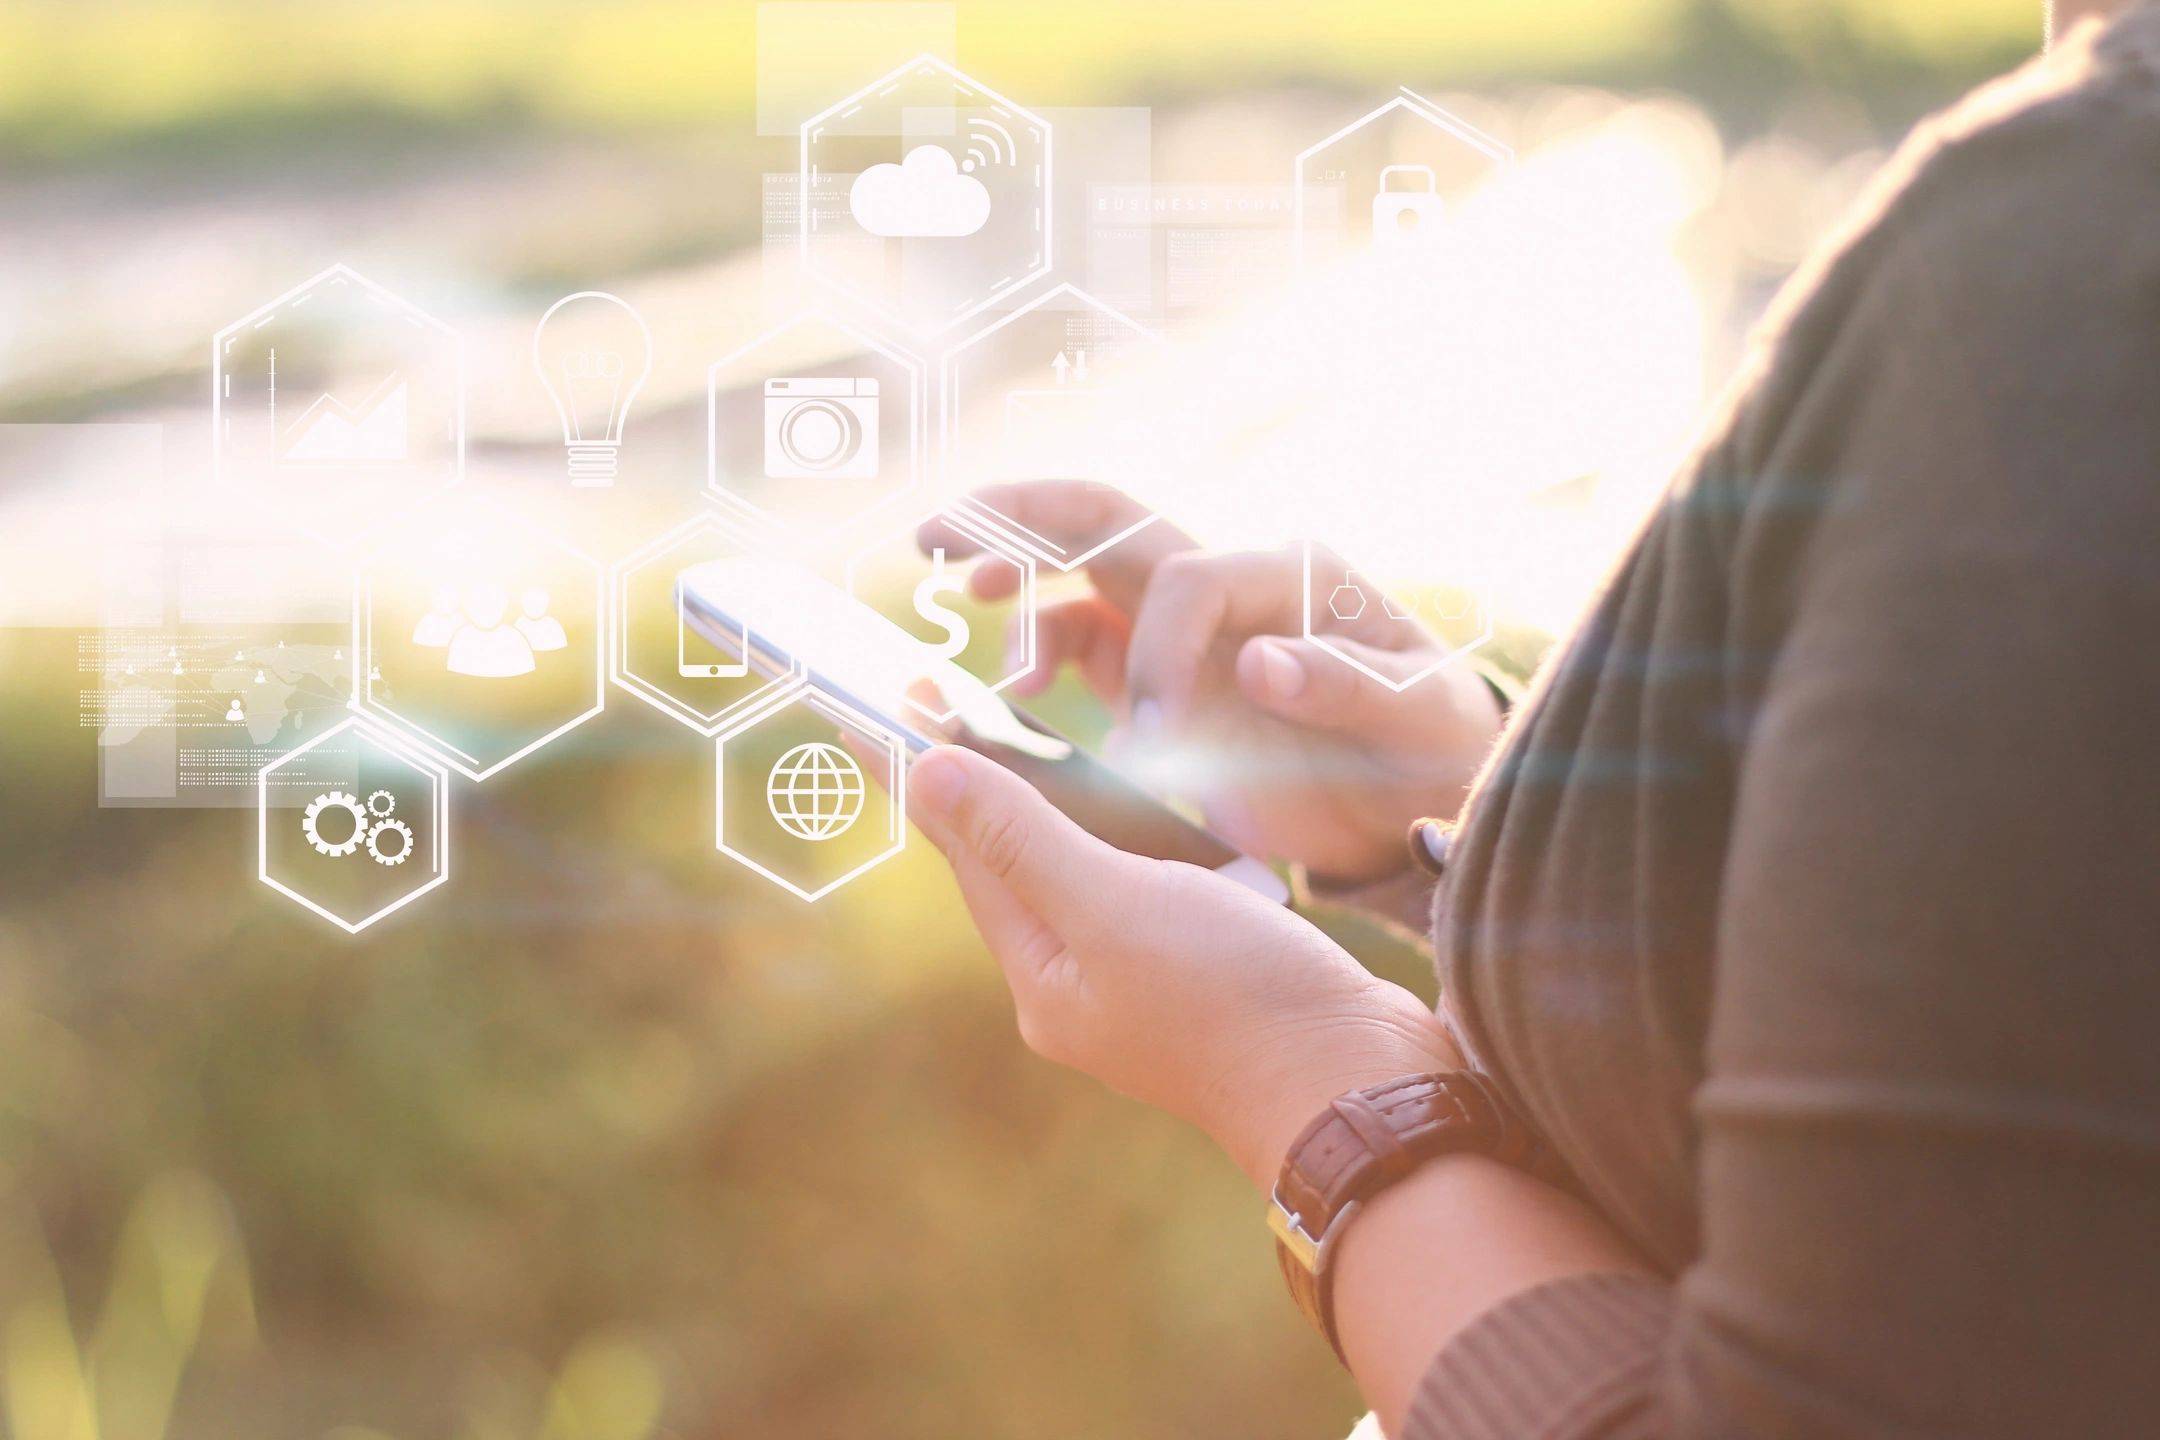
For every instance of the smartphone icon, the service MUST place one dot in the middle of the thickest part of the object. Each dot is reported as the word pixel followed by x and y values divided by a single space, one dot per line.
pixel 697 658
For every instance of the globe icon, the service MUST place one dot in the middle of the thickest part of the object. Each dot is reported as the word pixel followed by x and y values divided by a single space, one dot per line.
pixel 815 791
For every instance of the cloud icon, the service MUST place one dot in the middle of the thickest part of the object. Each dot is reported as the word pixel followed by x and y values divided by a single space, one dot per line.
pixel 925 194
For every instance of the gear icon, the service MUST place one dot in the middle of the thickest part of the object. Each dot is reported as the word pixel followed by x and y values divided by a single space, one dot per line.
pixel 311 823
pixel 402 848
pixel 381 804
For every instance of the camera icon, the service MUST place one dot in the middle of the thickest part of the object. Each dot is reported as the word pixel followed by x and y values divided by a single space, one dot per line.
pixel 821 428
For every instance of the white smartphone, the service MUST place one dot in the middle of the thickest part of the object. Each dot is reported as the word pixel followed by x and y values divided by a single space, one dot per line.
pixel 774 616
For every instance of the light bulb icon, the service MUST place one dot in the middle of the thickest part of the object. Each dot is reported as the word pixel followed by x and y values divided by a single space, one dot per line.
pixel 593 353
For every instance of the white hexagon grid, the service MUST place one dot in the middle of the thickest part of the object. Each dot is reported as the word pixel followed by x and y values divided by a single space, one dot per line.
pixel 336 402
pixel 643 646
pixel 810 872
pixel 963 247
pixel 388 878
pixel 1346 594
pixel 1397 189
pixel 1011 663
pixel 1047 404
pixel 760 392
pixel 507 699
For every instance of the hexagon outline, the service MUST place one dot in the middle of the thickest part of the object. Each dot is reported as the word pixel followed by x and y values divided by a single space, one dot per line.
pixel 1046 226
pixel 918 415
pixel 390 742
pixel 1012 532
pixel 840 714
pixel 1336 610
pixel 260 314
pixel 1438 116
pixel 363 648
pixel 618 632
pixel 997 545
pixel 1327 642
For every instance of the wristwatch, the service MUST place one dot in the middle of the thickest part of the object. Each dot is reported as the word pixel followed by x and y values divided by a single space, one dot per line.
pixel 1364 1142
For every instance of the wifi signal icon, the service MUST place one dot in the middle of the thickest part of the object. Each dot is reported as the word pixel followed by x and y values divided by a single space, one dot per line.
pixel 989 143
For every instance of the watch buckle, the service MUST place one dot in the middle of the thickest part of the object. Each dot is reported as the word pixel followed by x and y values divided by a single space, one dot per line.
pixel 1289 1230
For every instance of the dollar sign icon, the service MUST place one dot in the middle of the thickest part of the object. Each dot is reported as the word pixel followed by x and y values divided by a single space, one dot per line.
pixel 943 616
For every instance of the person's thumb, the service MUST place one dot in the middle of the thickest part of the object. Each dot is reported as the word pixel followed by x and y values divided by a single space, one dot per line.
pixel 1300 681
pixel 988 820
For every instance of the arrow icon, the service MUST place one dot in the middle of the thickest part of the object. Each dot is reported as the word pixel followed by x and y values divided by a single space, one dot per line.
pixel 1060 365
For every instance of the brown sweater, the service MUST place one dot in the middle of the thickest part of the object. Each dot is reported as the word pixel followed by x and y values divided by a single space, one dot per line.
pixel 1812 905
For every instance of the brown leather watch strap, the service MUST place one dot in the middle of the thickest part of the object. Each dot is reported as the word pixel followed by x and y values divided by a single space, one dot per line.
pixel 1363 1142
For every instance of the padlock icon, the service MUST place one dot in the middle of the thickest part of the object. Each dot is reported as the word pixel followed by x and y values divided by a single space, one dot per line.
pixel 1405 218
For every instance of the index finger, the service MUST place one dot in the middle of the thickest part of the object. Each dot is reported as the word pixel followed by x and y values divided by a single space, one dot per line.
pixel 1071 516
pixel 1196 605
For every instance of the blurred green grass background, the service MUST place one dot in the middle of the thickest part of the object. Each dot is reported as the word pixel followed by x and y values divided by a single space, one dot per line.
pixel 607 1138
pixel 77 78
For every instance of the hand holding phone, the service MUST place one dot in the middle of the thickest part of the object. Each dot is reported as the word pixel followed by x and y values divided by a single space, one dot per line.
pixel 1330 734
pixel 774 616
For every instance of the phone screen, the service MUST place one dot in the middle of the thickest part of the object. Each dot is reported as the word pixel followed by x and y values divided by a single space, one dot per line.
pixel 772 613
pixel 1103 802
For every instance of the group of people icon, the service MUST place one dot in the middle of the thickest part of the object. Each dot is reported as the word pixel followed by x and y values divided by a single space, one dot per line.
pixel 473 624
